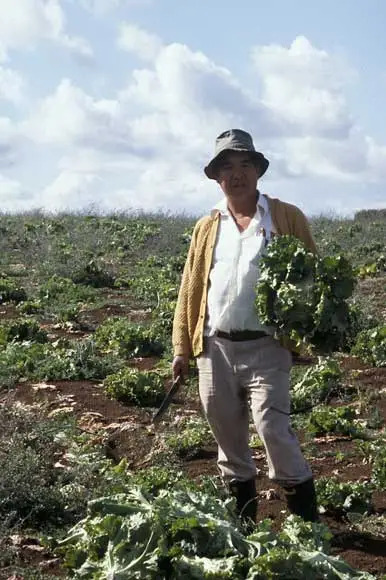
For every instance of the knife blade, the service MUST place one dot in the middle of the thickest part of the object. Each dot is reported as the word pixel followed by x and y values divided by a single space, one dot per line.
pixel 167 400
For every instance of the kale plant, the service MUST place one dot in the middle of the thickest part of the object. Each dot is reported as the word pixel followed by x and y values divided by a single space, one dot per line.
pixel 305 296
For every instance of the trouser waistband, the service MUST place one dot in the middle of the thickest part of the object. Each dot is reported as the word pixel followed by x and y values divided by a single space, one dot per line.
pixel 241 335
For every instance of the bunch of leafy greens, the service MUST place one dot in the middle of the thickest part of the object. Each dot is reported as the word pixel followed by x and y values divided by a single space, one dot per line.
pixel 188 534
pixel 304 297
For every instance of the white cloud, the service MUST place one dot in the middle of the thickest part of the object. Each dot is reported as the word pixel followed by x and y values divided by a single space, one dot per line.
pixel 304 85
pixel 376 157
pixel 3 53
pixel 181 103
pixel 9 189
pixel 132 184
pixel 343 160
pixel 23 23
pixel 11 85
pixel 193 99
pixel 71 117
pixel 137 41
pixel 146 146
pixel 7 142
pixel 13 196
pixel 69 191
pixel 77 45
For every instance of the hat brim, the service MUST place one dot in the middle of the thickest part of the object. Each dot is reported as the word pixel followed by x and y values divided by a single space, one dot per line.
pixel 258 157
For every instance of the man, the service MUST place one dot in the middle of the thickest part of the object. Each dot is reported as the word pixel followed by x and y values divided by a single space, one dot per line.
pixel 238 359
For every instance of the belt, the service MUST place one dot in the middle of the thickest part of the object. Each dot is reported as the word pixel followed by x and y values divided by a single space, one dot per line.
pixel 240 335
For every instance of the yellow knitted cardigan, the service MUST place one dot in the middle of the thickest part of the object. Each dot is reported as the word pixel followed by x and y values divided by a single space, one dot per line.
pixel 189 317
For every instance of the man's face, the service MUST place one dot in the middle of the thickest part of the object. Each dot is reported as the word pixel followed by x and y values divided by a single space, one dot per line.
pixel 237 175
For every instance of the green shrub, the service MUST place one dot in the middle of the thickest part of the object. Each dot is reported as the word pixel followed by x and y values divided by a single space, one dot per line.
pixel 145 389
pixel 371 346
pixel 81 361
pixel 11 292
pixel 30 307
pixel 28 453
pixel 338 420
pixel 335 496
pixel 93 275
pixel 58 289
pixel 187 535
pixel 22 330
pixel 120 336
pixel 37 486
pixel 20 360
pixel 68 313
pixel 378 474
pixel 64 360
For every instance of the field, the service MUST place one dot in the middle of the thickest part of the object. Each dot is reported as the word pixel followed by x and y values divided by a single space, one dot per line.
pixel 86 307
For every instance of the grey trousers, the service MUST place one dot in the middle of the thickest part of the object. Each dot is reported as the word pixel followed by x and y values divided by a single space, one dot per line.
pixel 233 375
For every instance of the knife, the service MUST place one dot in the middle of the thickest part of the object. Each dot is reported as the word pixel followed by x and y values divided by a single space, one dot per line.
pixel 168 399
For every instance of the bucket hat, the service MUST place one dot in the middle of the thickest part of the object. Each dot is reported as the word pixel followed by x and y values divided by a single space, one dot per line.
pixel 235 140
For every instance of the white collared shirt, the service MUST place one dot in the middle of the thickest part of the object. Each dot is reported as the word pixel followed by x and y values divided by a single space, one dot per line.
pixel 235 271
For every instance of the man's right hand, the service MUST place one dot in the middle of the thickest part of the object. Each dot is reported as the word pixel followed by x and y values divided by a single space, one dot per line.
pixel 180 366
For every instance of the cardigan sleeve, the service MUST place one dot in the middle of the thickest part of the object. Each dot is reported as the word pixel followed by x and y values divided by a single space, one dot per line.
pixel 289 219
pixel 180 334
pixel 302 230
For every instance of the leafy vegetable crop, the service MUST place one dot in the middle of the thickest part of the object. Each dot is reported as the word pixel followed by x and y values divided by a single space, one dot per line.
pixel 79 360
pixel 304 296
pixel 348 496
pixel 21 331
pixel 119 336
pixel 146 388
pixel 337 420
pixel 192 435
pixel 371 346
pixel 317 384
pixel 379 469
pixel 186 534
pixel 375 452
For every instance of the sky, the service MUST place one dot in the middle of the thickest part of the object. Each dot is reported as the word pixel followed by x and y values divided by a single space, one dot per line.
pixel 115 105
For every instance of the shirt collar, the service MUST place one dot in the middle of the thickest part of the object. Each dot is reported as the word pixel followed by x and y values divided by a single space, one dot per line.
pixel 222 206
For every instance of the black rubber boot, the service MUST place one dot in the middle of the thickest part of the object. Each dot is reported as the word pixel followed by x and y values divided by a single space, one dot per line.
pixel 301 500
pixel 246 500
